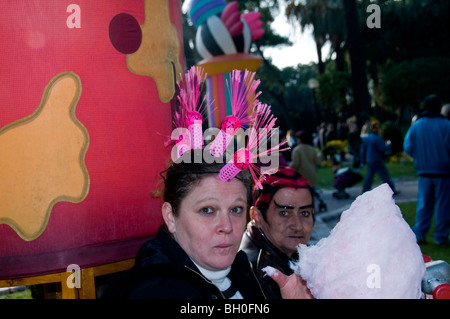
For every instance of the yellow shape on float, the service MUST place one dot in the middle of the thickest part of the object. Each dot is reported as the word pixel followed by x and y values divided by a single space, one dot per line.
pixel 42 159
pixel 158 55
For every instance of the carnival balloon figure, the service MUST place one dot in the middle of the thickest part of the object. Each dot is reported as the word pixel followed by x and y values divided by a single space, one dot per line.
pixel 222 29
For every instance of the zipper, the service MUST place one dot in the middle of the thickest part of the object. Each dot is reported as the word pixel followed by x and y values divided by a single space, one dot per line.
pixel 254 276
pixel 205 279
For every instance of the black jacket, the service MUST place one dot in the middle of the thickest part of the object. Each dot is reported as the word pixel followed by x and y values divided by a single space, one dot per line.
pixel 164 271
pixel 262 253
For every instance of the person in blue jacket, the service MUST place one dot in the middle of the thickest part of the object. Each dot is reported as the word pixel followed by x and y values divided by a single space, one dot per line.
pixel 373 150
pixel 428 142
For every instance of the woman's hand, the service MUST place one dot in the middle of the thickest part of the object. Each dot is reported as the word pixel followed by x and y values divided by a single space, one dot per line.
pixel 291 287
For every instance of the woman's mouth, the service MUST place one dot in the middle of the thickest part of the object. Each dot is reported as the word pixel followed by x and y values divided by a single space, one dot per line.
pixel 223 246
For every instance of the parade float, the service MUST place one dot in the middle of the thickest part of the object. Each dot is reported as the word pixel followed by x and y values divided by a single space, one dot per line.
pixel 86 105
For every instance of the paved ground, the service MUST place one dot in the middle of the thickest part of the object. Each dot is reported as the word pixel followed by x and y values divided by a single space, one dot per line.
pixel 325 221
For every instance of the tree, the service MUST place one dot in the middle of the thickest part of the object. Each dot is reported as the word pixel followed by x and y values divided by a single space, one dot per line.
pixel 406 84
pixel 332 92
pixel 327 20
pixel 311 13
pixel 271 78
pixel 411 30
pixel 357 62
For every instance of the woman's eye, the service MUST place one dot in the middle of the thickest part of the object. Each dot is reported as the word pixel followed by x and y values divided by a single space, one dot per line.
pixel 306 213
pixel 284 213
pixel 237 210
pixel 206 210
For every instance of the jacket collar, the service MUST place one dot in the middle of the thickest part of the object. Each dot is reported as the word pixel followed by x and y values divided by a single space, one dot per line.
pixel 257 236
pixel 166 253
pixel 178 257
pixel 430 114
pixel 167 250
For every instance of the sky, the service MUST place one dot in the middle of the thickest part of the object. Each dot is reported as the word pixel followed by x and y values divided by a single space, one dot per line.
pixel 303 49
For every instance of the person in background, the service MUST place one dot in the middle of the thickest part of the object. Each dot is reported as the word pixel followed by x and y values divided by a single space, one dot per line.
pixel 445 111
pixel 331 133
pixel 365 129
pixel 321 130
pixel 282 217
pixel 285 156
pixel 290 137
pixel 305 159
pixel 428 142
pixel 354 142
pixel 373 149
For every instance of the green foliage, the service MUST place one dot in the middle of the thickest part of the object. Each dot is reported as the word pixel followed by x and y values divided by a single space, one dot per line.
pixel 429 248
pixel 332 90
pixel 409 29
pixel 407 83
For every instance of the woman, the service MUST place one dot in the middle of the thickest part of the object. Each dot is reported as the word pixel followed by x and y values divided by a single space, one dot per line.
pixel 305 158
pixel 195 254
pixel 282 218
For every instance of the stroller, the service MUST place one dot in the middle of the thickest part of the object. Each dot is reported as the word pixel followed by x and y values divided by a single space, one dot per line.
pixel 322 205
pixel 345 177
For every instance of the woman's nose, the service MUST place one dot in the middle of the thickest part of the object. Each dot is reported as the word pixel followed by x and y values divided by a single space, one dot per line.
pixel 224 223
pixel 297 222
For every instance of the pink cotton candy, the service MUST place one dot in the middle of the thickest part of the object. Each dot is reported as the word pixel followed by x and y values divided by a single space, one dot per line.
pixel 371 253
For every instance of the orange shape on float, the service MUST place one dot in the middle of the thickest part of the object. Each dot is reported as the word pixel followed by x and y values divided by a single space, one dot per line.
pixel 158 55
pixel 42 159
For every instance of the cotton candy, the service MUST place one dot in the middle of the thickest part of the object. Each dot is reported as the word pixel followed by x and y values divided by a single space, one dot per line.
pixel 371 253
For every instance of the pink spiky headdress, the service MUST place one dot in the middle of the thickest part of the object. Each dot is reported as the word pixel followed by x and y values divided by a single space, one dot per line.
pixel 243 97
pixel 192 110
pixel 247 112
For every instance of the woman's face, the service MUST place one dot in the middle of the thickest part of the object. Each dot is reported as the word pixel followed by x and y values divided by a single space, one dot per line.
pixel 211 222
pixel 289 219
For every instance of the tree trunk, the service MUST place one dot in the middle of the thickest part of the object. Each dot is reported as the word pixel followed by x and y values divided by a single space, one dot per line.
pixel 320 64
pixel 357 61
pixel 340 59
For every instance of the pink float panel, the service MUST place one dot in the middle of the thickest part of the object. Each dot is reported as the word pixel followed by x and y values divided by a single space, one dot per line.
pixel 125 118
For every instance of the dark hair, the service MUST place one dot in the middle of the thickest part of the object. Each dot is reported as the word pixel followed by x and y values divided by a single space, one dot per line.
pixel 182 177
pixel 432 103
pixel 305 137
pixel 285 177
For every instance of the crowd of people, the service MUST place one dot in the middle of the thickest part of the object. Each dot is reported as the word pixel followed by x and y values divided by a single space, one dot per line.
pixel 427 141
